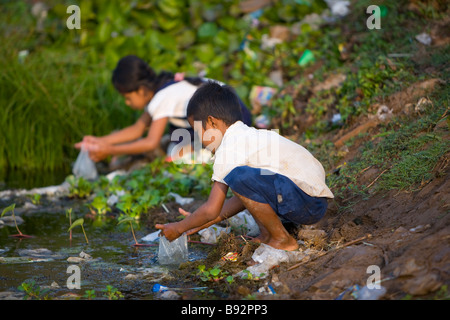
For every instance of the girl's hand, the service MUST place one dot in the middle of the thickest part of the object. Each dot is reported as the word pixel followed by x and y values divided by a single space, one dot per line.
pixel 98 150
pixel 87 140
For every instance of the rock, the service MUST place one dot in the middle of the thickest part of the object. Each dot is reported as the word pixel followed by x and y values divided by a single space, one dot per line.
pixel 279 286
pixel 14 260
pixel 420 228
pixel 10 295
pixel 169 295
pixel 37 253
pixel 384 113
pixel 408 269
pixel 75 260
pixel 309 234
pixel 423 284
pixel 29 206
pixel 422 104
pixel 333 81
pixel 400 231
pixel 85 256
pixel 131 276
pixel 9 219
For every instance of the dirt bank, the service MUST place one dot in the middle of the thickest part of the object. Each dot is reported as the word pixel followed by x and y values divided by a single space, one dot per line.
pixel 410 243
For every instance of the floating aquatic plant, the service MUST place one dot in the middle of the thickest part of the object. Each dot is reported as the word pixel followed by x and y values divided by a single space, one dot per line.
pixel 131 220
pixel 79 222
pixel 20 234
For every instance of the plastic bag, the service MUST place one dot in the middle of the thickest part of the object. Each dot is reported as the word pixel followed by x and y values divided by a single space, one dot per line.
pixel 212 233
pixel 173 252
pixel 84 166
pixel 244 223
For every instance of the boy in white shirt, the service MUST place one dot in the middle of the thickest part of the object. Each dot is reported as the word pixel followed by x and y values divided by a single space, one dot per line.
pixel 272 177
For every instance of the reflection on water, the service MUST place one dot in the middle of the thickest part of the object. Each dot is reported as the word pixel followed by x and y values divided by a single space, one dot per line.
pixel 29 179
pixel 110 246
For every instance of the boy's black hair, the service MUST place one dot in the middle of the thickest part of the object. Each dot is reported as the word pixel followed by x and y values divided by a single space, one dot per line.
pixel 132 72
pixel 213 99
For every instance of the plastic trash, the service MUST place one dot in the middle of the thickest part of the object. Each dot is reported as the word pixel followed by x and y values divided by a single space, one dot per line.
pixel 306 58
pixel 152 236
pixel 268 257
pixel 261 95
pixel 244 223
pixel 159 288
pixel 424 38
pixel 365 293
pixel 212 233
pixel 179 199
pixel 173 252
pixel 84 166
pixel 262 121
pixel 338 7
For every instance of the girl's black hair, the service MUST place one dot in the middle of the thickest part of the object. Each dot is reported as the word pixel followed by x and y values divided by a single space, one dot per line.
pixel 216 100
pixel 132 72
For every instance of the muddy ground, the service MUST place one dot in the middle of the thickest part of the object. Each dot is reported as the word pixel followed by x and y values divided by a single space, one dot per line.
pixel 407 237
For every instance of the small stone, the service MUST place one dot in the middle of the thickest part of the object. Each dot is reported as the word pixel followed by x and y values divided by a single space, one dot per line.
pixel 169 295
pixel 85 256
pixel 423 284
pixel 75 260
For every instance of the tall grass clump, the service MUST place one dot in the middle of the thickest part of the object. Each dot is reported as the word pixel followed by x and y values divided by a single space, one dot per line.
pixel 49 104
pixel 50 97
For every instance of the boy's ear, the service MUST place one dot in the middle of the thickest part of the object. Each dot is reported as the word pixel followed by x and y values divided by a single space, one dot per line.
pixel 212 121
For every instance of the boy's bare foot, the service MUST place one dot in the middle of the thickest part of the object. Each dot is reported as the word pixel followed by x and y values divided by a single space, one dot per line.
pixel 262 238
pixel 288 244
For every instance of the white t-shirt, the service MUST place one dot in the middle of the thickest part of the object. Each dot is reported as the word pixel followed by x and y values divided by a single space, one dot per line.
pixel 246 146
pixel 172 102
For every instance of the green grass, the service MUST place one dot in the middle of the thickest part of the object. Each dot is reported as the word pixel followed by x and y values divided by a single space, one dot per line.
pixel 405 153
pixel 50 101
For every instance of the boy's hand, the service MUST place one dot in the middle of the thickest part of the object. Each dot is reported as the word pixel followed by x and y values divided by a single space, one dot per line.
pixel 168 230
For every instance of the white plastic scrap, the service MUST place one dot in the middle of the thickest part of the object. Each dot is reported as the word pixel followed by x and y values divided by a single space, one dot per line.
pixel 244 223
pixel 268 257
pixel 338 7
pixel 212 233
pixel 180 200
pixel 424 38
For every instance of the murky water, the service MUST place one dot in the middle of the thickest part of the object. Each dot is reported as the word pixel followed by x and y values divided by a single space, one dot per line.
pixel 110 246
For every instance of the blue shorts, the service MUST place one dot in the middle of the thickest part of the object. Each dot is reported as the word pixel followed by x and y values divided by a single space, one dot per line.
pixel 287 200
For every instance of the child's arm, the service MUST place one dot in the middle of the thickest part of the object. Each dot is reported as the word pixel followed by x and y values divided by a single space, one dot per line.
pixel 101 150
pixel 208 212
pixel 129 133
pixel 230 208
